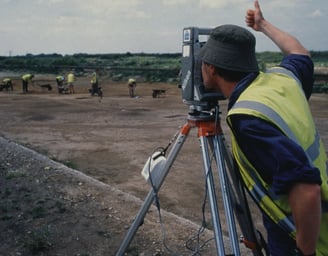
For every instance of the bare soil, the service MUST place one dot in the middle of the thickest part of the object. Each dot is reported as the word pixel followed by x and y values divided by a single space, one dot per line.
pixel 70 181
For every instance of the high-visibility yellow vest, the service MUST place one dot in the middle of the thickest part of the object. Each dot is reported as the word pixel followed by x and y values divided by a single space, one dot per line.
pixel 94 78
pixel 27 77
pixel 6 80
pixel 60 78
pixel 131 81
pixel 278 98
pixel 70 78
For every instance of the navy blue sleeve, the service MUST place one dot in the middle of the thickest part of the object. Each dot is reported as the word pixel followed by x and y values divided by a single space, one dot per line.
pixel 279 160
pixel 302 67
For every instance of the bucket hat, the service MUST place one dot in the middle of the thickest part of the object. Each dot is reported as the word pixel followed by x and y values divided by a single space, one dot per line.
pixel 230 47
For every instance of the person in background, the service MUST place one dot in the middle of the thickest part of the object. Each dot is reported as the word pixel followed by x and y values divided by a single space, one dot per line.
pixel 275 143
pixel 60 83
pixel 25 81
pixel 94 83
pixel 132 84
pixel 70 81
pixel 7 84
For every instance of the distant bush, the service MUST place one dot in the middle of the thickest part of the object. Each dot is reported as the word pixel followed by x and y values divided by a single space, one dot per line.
pixel 152 67
pixel 320 88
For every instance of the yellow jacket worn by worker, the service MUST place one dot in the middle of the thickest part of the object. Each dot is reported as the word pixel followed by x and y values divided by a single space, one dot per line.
pixel 27 77
pixel 70 78
pixel 94 78
pixel 132 83
pixel 70 81
pixel 60 78
pixel 6 80
pixel 254 102
pixel 6 84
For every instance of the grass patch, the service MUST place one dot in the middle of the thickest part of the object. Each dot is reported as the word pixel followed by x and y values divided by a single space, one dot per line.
pixel 61 208
pixel 12 174
pixel 70 164
pixel 37 241
pixel 6 217
pixel 38 212
pixel 67 163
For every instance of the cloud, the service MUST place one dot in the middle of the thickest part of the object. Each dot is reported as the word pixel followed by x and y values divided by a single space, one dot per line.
pixel 175 2
pixel 316 13
pixel 220 3
pixel 140 25
pixel 213 3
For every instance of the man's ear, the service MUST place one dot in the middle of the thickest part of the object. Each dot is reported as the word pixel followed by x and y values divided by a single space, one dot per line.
pixel 212 69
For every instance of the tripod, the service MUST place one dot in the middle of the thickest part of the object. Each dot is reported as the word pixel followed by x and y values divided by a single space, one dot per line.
pixel 233 195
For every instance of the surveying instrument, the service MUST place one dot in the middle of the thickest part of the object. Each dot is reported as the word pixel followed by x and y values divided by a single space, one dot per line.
pixel 203 115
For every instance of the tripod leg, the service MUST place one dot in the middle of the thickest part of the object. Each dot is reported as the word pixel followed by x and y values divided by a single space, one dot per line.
pixel 241 207
pixel 151 194
pixel 212 197
pixel 226 193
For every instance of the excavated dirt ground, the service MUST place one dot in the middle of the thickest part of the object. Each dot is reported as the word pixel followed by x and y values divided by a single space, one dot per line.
pixel 70 181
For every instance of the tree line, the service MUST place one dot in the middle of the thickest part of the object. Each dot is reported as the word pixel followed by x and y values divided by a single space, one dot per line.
pixel 157 67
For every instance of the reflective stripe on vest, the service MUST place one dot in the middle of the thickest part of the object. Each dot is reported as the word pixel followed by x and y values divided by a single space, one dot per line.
pixel 312 151
pixel 262 196
pixel 287 72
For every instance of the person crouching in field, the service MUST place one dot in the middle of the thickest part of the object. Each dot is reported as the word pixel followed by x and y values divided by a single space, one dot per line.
pixel 60 84
pixel 7 84
pixel 25 80
pixel 132 84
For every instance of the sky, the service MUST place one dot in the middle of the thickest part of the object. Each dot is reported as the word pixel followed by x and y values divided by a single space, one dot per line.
pixel 144 26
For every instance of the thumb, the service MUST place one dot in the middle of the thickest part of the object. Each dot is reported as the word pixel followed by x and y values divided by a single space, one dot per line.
pixel 257 5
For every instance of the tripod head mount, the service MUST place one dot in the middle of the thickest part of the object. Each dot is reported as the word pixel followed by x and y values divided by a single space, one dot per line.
pixel 200 113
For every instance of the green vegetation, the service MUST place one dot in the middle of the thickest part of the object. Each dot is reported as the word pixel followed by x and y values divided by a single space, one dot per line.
pixel 37 241
pixel 149 67
pixel 15 173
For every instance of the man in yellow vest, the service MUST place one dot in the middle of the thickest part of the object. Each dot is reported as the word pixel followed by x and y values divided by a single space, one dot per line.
pixel 7 84
pixel 280 156
pixel 94 84
pixel 60 84
pixel 25 80
pixel 132 84
pixel 70 82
